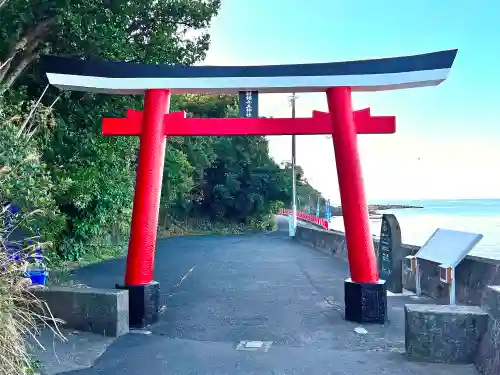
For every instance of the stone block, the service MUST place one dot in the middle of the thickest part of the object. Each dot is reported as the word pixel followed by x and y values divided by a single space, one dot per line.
pixel 101 311
pixel 488 355
pixel 144 303
pixel 365 302
pixel 444 333
pixel 491 301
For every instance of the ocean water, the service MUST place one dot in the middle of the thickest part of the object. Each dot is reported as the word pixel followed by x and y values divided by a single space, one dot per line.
pixel 468 215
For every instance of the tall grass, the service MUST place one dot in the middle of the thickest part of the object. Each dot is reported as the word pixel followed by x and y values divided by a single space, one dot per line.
pixel 22 314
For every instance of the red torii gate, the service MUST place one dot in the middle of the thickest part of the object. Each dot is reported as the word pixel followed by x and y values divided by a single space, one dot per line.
pixel 145 214
pixel 365 294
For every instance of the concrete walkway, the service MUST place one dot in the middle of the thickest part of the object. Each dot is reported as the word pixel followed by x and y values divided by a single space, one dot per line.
pixel 218 291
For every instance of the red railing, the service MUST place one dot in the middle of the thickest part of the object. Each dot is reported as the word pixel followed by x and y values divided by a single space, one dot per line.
pixel 307 217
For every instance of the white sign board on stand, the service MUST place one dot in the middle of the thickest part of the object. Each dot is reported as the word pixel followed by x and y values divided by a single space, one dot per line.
pixel 447 248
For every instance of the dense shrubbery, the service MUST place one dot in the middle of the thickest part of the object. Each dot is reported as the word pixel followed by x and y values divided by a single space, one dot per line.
pixel 56 159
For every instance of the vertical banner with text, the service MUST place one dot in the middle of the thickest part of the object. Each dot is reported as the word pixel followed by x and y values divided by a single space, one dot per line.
pixel 249 103
pixel 328 210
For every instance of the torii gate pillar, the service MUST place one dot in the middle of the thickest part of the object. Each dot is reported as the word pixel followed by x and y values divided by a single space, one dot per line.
pixel 365 295
pixel 144 293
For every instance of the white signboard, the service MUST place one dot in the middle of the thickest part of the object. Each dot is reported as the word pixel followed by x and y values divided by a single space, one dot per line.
pixel 448 247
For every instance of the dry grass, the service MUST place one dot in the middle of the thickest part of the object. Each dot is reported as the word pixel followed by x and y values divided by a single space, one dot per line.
pixel 22 314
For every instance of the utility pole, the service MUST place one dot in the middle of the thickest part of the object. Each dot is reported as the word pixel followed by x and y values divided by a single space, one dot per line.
pixel 294 178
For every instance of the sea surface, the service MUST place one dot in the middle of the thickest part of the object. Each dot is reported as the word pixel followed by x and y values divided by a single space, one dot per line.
pixel 468 215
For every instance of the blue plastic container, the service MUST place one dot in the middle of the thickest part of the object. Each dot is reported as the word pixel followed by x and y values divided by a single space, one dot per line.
pixel 37 277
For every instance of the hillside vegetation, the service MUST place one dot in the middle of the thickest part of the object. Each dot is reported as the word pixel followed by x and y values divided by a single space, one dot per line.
pixel 53 158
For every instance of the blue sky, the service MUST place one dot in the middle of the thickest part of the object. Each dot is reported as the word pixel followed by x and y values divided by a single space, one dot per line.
pixel 447 136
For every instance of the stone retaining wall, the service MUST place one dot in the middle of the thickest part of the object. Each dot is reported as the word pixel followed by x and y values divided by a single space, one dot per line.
pixel 488 354
pixel 473 274
pixel 477 283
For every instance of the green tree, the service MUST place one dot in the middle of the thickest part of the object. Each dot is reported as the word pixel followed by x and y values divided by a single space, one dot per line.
pixel 136 30
pixel 85 181
pixel 307 196
pixel 243 181
pixel 94 175
pixel 25 178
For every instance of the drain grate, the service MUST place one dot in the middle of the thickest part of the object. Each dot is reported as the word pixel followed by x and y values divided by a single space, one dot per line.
pixel 254 346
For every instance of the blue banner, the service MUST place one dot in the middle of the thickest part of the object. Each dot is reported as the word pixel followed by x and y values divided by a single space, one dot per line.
pixel 328 211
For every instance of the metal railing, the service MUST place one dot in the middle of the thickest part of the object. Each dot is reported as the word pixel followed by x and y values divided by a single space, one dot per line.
pixel 304 216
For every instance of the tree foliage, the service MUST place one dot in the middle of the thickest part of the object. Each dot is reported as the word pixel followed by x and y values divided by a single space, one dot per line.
pixel 307 196
pixel 167 31
pixel 55 158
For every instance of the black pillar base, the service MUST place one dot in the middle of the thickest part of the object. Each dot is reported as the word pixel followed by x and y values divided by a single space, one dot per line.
pixel 144 303
pixel 365 302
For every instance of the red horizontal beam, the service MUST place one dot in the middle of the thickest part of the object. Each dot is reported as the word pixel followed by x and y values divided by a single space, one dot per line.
pixel 176 124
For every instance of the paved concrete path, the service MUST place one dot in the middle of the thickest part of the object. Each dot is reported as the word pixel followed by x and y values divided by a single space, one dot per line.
pixel 217 291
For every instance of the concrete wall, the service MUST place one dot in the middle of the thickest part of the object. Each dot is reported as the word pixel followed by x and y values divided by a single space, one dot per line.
pixel 102 311
pixel 333 242
pixel 473 275
pixel 330 242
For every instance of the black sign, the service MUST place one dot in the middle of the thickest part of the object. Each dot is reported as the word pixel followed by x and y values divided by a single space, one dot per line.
pixel 385 250
pixel 390 254
pixel 249 104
